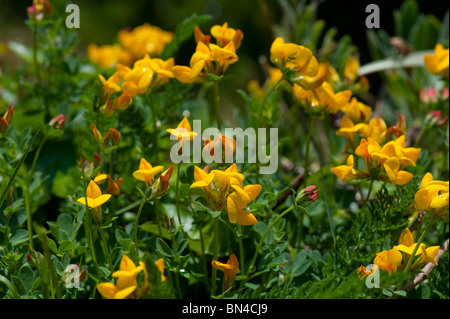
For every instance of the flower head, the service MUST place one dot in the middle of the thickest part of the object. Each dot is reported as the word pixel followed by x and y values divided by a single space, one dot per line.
pixel 146 172
pixel 230 270
pixel 126 283
pixel 94 198
pixel 438 63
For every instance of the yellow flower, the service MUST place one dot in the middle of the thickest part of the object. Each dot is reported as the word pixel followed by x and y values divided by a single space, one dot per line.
pixel 433 195
pixel 230 270
pixel 363 271
pixel 146 172
pixel 438 63
pixel 160 265
pixel 201 62
pixel 348 129
pixel 225 35
pixel 183 131
pixel 394 174
pixel 376 128
pixel 144 39
pixel 313 82
pixel 345 172
pixel 95 198
pixel 388 260
pixel 111 85
pixel 107 56
pixel 357 111
pixel 225 192
pixel 407 246
pixel 351 68
pixel 293 56
pixel 238 200
pixel 322 98
pixel 126 283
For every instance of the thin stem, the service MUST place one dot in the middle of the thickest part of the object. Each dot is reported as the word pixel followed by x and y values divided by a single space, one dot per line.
pixel 326 204
pixel 261 241
pixel 308 142
pixel 215 254
pixel 27 197
pixel 136 223
pixel 105 248
pixel 217 103
pixel 177 195
pixel 177 279
pixel 368 193
pixel 260 116
pixel 158 219
pixel 241 249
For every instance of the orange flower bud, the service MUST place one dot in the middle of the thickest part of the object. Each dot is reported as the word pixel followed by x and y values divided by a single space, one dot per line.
pixel 9 114
pixel 95 133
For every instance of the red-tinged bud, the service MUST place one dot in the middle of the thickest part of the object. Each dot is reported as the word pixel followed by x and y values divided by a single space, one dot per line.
pixel 161 185
pixel 114 186
pixel 29 259
pixel 3 125
pixel 169 224
pixel 97 159
pixel 200 37
pixel 9 114
pixel 435 117
pixel 237 39
pixel 445 93
pixel 114 135
pixel 82 275
pixel 58 121
pixel 307 195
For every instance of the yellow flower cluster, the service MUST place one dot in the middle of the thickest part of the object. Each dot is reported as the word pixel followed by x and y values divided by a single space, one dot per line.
pixel 146 73
pixel 433 196
pixel 313 82
pixel 127 283
pixel 379 152
pixel 133 45
pixel 225 192
pixel 399 255
pixel 210 58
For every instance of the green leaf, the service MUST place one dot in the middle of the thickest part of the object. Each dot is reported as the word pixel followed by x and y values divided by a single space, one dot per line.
pixel 11 179
pixel 183 32
pixel 26 276
pixel 163 248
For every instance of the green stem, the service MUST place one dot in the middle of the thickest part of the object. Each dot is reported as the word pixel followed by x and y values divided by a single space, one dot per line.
pixel 260 116
pixel 158 220
pixel 215 254
pixel 177 279
pixel 368 193
pixel 241 249
pixel 177 195
pixel 261 241
pixel 326 204
pixel 308 142
pixel 217 103
pixel 104 245
pixel 136 223
pixel 419 241
pixel 27 197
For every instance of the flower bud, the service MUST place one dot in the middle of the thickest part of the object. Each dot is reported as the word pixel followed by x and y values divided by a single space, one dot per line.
pixel 95 133
pixel 58 121
pixel 161 185
pixel 114 135
pixel 307 195
pixel 9 114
